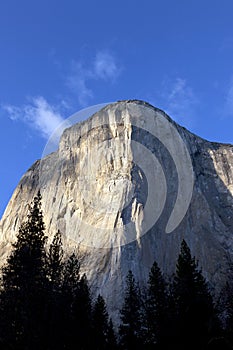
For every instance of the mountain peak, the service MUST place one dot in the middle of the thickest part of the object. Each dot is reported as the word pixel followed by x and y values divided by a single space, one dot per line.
pixel 126 186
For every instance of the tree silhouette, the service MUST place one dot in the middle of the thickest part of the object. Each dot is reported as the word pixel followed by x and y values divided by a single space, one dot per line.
pixel 55 298
pixel 111 336
pixel 100 323
pixel 54 260
pixel 131 316
pixel 225 305
pixel 46 303
pixel 77 304
pixel 156 308
pixel 82 312
pixel 24 283
pixel 195 310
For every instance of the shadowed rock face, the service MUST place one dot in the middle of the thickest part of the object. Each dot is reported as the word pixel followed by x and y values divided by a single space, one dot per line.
pixel 111 189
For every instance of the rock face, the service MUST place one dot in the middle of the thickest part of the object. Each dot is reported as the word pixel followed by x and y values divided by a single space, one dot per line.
pixel 125 187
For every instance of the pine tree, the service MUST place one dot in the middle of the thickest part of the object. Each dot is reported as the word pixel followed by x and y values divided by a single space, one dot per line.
pixel 229 309
pixel 54 261
pixel 55 299
pixel 225 306
pixel 111 336
pixel 71 278
pixel 77 304
pixel 131 316
pixel 71 274
pixel 24 283
pixel 195 309
pixel 156 308
pixel 82 311
pixel 100 323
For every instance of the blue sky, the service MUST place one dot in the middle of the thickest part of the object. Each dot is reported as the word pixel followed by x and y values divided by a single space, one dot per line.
pixel 57 57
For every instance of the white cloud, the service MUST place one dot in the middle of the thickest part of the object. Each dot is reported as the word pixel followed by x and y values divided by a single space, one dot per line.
pixel 39 115
pixel 77 82
pixel 179 101
pixel 44 117
pixel 12 111
pixel 103 67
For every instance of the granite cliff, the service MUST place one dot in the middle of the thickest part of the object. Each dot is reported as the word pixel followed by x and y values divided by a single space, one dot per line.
pixel 125 187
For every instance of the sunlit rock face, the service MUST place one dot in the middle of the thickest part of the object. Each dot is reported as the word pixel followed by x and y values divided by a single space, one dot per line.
pixel 125 187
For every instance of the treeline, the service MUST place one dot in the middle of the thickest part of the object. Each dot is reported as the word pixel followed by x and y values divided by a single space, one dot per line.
pixel 46 303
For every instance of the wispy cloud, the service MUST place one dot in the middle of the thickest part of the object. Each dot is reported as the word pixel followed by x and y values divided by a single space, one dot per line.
pixel 103 67
pixel 46 118
pixel 39 115
pixel 77 82
pixel 178 99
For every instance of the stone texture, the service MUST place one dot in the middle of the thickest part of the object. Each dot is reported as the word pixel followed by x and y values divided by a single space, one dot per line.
pixel 94 191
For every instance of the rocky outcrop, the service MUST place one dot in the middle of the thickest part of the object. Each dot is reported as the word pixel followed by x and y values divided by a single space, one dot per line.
pixel 125 187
